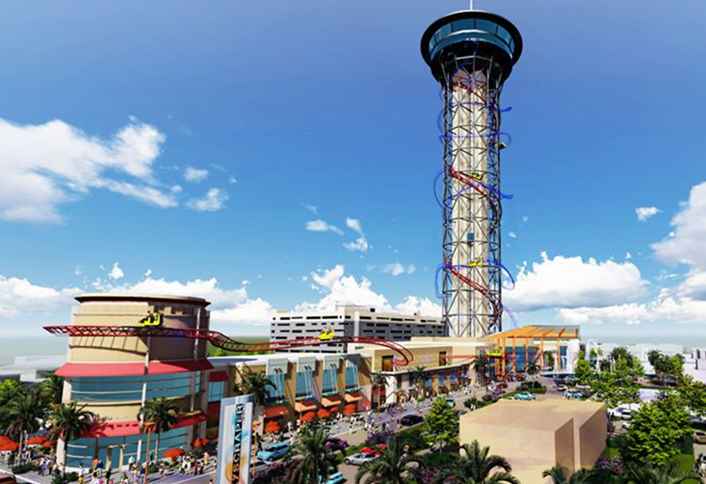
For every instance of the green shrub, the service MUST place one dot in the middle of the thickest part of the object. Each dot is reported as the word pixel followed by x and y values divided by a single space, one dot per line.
pixel 23 468
pixel 64 478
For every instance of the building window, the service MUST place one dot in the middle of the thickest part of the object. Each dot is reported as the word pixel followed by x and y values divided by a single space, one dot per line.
pixel 352 384
pixel 330 385
pixel 442 380
pixel 388 363
pixel 216 390
pixel 276 394
pixel 443 361
pixel 129 388
pixel 305 383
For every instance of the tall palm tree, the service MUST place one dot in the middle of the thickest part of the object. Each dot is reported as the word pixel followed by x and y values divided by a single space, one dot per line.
pixel 582 476
pixel 69 421
pixel 313 460
pixel 394 466
pixel 532 369
pixel 158 415
pixel 480 366
pixel 377 382
pixel 417 377
pixel 255 384
pixel 52 389
pixel 477 467
pixel 24 414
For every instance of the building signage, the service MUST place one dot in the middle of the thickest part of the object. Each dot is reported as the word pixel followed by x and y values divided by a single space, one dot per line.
pixel 234 440
pixel 151 320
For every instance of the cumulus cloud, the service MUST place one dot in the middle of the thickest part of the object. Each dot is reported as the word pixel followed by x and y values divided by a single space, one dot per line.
pixel 571 282
pixel 355 225
pixel 512 235
pixel 213 201
pixel 319 225
pixel 686 242
pixel 397 269
pixel 416 305
pixel 116 273
pixel 644 213
pixel 195 175
pixel 24 301
pixel 46 165
pixel 361 243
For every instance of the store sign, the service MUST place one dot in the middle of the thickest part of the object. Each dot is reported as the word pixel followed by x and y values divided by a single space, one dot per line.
pixel 235 440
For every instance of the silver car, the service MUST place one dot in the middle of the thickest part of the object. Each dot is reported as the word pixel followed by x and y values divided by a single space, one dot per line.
pixel 358 459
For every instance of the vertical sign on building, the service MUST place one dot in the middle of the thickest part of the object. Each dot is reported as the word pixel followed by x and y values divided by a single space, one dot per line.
pixel 234 440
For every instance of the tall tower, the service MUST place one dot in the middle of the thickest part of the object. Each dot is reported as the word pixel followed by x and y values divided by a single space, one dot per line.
pixel 471 53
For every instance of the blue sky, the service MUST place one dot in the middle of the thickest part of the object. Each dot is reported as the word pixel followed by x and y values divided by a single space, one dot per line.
pixel 329 105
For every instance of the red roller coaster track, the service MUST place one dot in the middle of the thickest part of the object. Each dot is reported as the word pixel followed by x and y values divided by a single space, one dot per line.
pixel 220 340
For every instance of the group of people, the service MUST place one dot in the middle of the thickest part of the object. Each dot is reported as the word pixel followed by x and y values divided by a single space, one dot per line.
pixel 700 465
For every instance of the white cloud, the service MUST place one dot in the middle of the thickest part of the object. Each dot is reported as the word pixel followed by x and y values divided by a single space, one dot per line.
pixel 176 189
pixel 23 301
pixel 644 213
pixel 687 242
pixel 147 194
pixel 148 273
pixel 422 306
pixel 355 225
pixel 195 175
pixel 311 208
pixel 116 273
pixel 397 269
pixel 232 180
pixel 525 218
pixel 512 235
pixel 213 201
pixel 254 311
pixel 628 256
pixel 570 282
pixel 319 225
pixel 50 164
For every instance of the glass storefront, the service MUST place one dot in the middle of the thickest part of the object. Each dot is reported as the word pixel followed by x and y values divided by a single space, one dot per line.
pixel 129 388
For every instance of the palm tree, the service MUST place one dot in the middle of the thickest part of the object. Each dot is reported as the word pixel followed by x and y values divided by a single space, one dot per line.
pixel 158 415
pixel 24 414
pixel 666 474
pixel 377 382
pixel 313 461
pixel 476 466
pixel 255 384
pixel 481 365
pixel 417 377
pixel 394 466
pixel 532 369
pixel 582 476
pixel 52 389
pixel 69 421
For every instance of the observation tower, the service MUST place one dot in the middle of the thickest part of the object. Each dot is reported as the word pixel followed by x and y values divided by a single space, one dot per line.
pixel 471 53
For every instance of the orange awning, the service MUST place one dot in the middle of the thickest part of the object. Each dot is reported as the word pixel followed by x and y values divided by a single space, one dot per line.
pixel 331 401
pixel 309 417
pixel 350 409
pixel 352 397
pixel 272 427
pixel 172 453
pixel 323 413
pixel 36 440
pixel 276 411
pixel 305 406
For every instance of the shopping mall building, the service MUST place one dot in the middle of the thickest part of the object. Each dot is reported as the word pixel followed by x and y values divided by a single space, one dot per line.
pixel 114 372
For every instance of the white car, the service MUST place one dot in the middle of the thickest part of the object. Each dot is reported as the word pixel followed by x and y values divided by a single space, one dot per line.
pixel 358 459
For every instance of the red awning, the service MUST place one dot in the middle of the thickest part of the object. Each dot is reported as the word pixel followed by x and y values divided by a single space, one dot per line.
pixel 214 409
pixel 124 428
pixel 70 370
pixel 276 411
pixel 218 376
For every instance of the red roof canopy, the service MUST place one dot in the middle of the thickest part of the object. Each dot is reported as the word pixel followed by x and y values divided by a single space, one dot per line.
pixel 124 428
pixel 72 370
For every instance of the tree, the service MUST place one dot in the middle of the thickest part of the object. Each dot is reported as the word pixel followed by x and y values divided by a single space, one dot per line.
pixel 159 416
pixel 548 360
pixel 481 365
pixel 417 376
pixel 377 383
pixel 394 466
pixel 669 473
pixel 52 389
pixel 583 372
pixel 313 461
pixel 582 476
pixel 657 432
pixel 693 394
pixel 532 369
pixel 9 390
pixel 441 424
pixel 69 421
pixel 476 466
pixel 255 384
pixel 620 353
pixel 24 415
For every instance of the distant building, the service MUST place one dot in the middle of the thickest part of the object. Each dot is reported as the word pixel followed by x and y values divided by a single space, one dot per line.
pixel 351 321
pixel 695 364
pixel 31 369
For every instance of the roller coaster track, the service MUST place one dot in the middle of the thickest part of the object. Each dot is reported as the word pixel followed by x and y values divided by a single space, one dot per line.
pixel 220 340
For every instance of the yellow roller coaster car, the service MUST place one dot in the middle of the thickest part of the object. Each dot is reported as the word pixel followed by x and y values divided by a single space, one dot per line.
pixel 327 335
pixel 475 263
pixel 496 353
pixel 152 320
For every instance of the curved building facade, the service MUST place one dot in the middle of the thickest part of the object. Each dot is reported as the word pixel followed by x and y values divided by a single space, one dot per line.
pixel 114 377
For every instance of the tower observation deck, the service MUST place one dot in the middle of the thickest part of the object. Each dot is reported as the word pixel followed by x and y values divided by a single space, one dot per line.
pixel 471 54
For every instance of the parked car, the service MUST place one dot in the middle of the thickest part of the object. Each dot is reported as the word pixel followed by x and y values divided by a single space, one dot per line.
pixel 451 402
pixel 273 452
pixel 411 419
pixel 573 395
pixel 335 478
pixel 561 388
pixel 699 437
pixel 370 452
pixel 358 459
pixel 524 396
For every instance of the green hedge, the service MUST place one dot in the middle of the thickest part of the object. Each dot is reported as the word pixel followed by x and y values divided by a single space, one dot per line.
pixel 23 468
